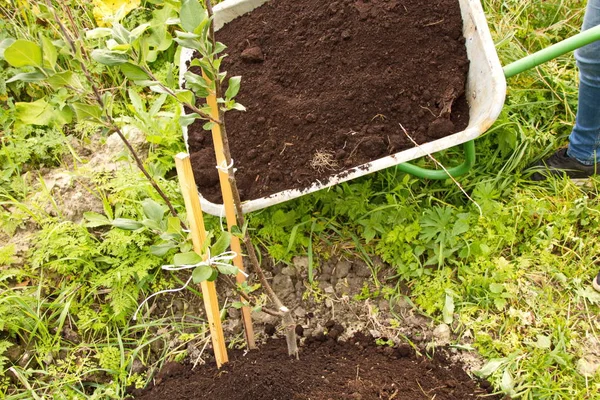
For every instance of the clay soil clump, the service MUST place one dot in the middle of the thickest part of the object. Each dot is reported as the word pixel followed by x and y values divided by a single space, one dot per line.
pixel 336 78
pixel 327 369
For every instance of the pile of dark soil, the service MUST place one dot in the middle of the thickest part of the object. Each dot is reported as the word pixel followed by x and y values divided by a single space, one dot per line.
pixel 327 84
pixel 358 369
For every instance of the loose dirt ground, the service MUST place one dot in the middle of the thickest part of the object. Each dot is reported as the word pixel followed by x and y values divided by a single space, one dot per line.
pixel 327 369
pixel 327 84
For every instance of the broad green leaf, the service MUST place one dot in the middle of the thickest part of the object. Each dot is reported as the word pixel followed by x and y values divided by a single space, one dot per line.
pixel 202 273
pixel 127 224
pixel 490 367
pixel 173 225
pixel 543 342
pixel 98 33
pixel 120 34
pixel 221 244
pixel 67 78
pixel 153 210
pixel 191 15
pixel 234 87
pixel 188 119
pixel 151 224
pixel 137 31
pixel 162 248
pixel 133 72
pixel 108 57
pixel 61 116
pixel 87 112
pixel 38 112
pixel 219 47
pixel 27 77
pixel 189 258
pixel 496 288
pixel 49 53
pixel 23 53
pixel 94 219
pixel 185 96
pixel 227 269
pixel 208 126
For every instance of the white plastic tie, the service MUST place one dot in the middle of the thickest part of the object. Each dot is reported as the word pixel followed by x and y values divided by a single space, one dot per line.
pixel 223 167
pixel 221 259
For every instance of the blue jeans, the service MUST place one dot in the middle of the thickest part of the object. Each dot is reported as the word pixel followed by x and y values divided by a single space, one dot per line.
pixel 584 141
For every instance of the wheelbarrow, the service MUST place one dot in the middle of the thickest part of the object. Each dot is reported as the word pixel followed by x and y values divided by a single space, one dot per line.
pixel 485 92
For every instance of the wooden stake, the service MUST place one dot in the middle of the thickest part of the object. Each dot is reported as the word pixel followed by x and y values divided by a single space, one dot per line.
pixel 196 221
pixel 226 192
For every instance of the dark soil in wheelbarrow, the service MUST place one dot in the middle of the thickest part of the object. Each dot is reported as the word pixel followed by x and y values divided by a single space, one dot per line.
pixel 327 85
pixel 353 370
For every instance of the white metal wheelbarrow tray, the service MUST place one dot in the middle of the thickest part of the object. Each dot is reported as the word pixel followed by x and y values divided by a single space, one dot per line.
pixel 485 92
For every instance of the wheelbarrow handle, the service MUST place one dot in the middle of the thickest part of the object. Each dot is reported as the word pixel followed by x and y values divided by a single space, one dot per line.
pixel 533 60
pixel 558 49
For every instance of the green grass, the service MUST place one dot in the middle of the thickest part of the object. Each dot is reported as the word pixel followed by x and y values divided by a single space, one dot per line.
pixel 515 280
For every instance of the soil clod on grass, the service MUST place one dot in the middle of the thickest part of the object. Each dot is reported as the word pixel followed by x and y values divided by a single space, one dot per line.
pixel 327 369
pixel 335 78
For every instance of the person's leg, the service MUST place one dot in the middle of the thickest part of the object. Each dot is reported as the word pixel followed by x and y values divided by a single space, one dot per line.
pixel 584 141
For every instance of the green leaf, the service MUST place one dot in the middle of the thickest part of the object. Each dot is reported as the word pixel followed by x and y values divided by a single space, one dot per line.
pixel 23 53
pixel 490 367
pixel 108 57
pixel 496 288
pixel 185 96
pixel 448 311
pixel 38 112
pixel 173 225
pixel 49 53
pixel 127 224
pixel 208 126
pixel 188 119
pixel 95 220
pixel 189 258
pixel 153 210
pixel 133 72
pixel 239 107
pixel 202 273
pixel 151 224
pixel 87 112
pixel 137 31
pixel 234 87
pixel 98 33
pixel 221 244
pixel 67 78
pixel 27 77
pixel 191 15
pixel 227 269
pixel 161 249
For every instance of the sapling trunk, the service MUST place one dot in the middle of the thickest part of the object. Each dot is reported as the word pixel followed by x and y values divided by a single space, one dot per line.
pixel 286 316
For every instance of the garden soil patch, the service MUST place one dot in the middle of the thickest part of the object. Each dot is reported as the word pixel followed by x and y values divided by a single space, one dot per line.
pixel 357 369
pixel 327 84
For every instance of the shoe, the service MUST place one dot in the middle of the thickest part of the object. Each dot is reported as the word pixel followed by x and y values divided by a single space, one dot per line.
pixel 596 282
pixel 560 163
